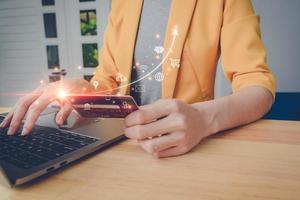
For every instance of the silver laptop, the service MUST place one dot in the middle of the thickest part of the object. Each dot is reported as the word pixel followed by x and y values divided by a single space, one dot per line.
pixel 48 148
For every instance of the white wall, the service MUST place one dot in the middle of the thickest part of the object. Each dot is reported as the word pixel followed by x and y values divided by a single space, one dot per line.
pixel 280 21
pixel 20 48
pixel 280 26
pixel 23 58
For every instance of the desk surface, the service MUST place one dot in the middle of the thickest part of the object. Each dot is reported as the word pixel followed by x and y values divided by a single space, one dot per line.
pixel 258 161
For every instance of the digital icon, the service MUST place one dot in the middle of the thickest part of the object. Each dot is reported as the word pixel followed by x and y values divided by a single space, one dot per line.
pixel 125 105
pixel 175 63
pixel 143 68
pixel 87 106
pixel 95 84
pixel 140 88
pixel 159 76
pixel 121 78
pixel 159 49
pixel 107 98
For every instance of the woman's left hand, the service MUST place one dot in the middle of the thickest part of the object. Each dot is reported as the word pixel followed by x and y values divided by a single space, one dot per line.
pixel 169 127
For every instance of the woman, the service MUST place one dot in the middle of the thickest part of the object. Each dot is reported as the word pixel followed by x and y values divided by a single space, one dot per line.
pixel 196 33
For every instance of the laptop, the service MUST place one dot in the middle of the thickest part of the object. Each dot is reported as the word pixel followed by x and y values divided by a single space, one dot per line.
pixel 49 148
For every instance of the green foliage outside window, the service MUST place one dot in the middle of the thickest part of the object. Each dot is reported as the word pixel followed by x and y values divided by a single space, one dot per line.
pixel 90 55
pixel 88 23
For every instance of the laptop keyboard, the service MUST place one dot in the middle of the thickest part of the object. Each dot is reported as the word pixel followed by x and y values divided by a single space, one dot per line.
pixel 42 145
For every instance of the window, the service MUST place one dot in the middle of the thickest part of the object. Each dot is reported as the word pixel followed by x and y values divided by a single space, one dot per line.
pixel 52 56
pixel 90 55
pixel 48 2
pixel 50 25
pixel 88 77
pixel 88 22
pixel 81 49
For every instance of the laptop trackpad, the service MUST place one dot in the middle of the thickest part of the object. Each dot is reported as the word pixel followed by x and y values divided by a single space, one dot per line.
pixel 103 129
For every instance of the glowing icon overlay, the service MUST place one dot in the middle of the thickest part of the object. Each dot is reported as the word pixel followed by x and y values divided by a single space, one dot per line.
pixel 159 76
pixel 121 78
pixel 175 63
pixel 159 49
pixel 140 88
pixel 87 106
pixel 95 84
pixel 175 34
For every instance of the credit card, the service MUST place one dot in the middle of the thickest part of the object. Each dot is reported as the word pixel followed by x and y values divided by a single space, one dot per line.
pixel 103 106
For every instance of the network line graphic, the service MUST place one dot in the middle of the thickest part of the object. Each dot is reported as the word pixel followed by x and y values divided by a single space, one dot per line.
pixel 175 34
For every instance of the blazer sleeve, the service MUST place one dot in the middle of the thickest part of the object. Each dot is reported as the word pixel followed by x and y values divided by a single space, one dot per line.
pixel 106 71
pixel 242 50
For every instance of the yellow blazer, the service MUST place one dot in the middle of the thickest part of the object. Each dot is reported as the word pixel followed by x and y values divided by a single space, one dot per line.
pixel 207 29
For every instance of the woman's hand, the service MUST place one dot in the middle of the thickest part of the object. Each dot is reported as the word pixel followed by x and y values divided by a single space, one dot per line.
pixel 169 127
pixel 34 103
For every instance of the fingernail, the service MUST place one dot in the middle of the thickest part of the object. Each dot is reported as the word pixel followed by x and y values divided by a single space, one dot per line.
pixel 60 120
pixel 4 123
pixel 10 131
pixel 24 131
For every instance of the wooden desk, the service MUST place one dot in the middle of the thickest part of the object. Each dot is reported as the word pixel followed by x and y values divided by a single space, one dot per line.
pixel 258 161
